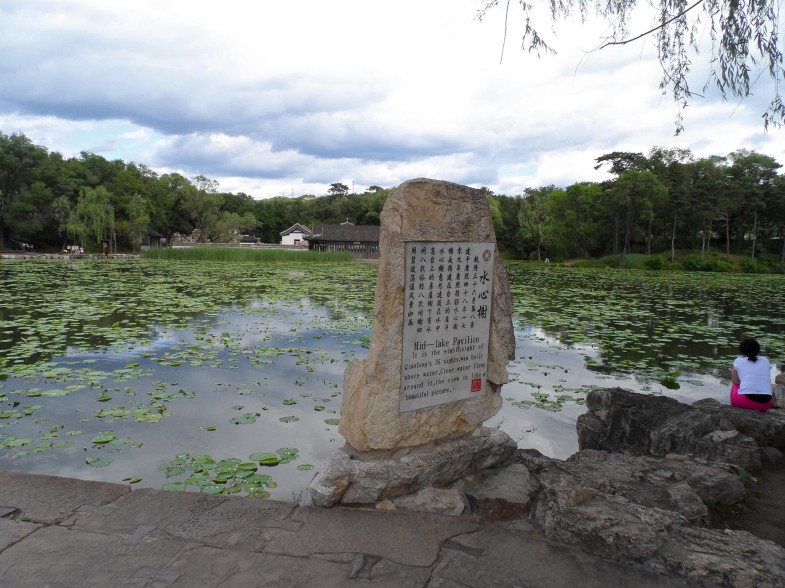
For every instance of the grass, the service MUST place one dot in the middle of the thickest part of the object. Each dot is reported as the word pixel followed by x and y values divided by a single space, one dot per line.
pixel 246 255
pixel 690 261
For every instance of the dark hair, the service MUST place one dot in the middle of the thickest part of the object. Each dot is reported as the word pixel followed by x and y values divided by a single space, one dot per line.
pixel 750 348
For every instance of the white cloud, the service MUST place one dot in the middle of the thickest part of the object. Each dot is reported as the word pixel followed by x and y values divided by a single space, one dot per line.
pixel 285 98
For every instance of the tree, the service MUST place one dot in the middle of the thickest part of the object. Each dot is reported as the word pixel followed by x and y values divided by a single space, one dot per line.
pixel 338 189
pixel 532 216
pixel 231 226
pixel 496 212
pixel 93 218
pixel 19 163
pixel 138 220
pixel 744 42
pixel 709 195
pixel 205 184
pixel 29 211
pixel 672 167
pixel 636 193
pixel 752 176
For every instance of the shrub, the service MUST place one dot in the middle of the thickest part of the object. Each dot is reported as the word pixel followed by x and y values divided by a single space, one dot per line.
pixel 696 264
pixel 240 255
pixel 655 262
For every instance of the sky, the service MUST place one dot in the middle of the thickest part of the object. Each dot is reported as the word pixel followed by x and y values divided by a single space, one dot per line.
pixel 286 98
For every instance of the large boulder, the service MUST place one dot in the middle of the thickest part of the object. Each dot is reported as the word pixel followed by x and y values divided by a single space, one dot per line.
pixel 621 421
pixel 422 210
pixel 650 510
pixel 352 477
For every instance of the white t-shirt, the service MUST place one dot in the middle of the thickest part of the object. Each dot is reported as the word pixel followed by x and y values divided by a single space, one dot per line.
pixel 755 376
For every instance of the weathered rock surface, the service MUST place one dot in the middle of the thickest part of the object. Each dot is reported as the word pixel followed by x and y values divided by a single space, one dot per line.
pixel 620 421
pixel 637 507
pixel 351 477
pixel 435 501
pixel 422 210
pixel 505 494
pixel 779 391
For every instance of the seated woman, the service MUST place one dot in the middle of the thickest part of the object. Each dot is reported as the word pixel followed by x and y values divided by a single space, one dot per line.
pixel 751 377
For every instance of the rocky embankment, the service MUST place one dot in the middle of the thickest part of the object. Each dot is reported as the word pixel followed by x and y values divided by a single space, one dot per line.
pixel 654 485
pixel 651 481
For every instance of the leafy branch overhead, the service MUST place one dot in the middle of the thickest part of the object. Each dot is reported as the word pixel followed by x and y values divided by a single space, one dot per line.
pixel 743 42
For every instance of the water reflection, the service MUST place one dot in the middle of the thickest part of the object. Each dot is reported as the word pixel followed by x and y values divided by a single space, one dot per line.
pixel 175 380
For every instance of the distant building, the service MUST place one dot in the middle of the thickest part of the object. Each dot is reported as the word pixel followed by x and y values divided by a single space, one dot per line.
pixel 152 240
pixel 295 235
pixel 361 240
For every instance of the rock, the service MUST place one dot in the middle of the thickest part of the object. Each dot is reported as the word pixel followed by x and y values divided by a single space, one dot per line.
pixel 504 495
pixel 422 210
pixel 770 454
pixel 352 477
pixel 449 501
pixel 779 391
pixel 723 558
pixel 621 421
pixel 622 506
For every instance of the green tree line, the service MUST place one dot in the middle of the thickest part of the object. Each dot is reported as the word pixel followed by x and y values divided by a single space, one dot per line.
pixel 48 200
pixel 664 201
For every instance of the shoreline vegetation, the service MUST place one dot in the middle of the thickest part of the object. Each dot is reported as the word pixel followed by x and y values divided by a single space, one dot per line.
pixel 245 255
pixel 683 261
pixel 666 209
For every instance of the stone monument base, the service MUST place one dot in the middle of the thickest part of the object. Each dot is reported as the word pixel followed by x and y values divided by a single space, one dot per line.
pixel 354 477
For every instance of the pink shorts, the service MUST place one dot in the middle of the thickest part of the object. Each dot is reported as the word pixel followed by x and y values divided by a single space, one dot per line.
pixel 742 401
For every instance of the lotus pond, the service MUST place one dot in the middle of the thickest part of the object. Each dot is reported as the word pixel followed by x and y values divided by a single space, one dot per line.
pixel 226 378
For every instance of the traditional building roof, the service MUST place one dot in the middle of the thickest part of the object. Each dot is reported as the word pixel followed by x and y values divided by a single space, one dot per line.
pixel 345 232
pixel 296 228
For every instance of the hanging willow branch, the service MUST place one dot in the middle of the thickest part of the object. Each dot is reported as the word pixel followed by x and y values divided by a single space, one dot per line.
pixel 744 43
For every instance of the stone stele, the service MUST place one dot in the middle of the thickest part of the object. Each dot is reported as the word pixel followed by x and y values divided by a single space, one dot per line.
pixel 422 210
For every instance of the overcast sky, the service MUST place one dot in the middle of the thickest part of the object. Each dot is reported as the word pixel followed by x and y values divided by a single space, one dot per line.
pixel 285 98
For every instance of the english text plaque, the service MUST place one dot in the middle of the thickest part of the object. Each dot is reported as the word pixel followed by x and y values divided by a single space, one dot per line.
pixel 446 322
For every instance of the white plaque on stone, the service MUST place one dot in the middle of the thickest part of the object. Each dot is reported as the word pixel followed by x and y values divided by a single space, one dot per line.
pixel 446 322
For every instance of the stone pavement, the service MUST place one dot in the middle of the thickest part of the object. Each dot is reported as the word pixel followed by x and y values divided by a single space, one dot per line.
pixel 62 532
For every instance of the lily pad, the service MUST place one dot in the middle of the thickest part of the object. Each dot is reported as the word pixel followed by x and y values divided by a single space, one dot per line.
pixel 104 437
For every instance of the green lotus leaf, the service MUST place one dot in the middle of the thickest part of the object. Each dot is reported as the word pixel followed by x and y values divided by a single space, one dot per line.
pixel 104 437
pixel 175 486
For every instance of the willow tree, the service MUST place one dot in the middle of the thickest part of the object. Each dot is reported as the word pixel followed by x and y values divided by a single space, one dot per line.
pixel 92 220
pixel 743 38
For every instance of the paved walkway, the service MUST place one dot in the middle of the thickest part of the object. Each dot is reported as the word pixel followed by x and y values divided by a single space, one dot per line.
pixel 61 532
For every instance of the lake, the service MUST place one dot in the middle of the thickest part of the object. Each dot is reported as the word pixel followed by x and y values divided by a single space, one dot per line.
pixel 188 375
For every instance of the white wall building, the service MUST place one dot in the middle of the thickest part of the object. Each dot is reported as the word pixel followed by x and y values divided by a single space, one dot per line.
pixel 295 235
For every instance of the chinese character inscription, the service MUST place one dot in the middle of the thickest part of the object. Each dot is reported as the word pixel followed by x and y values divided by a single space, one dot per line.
pixel 446 322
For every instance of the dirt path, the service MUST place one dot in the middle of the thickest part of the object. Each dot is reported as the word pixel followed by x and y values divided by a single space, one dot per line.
pixel 763 514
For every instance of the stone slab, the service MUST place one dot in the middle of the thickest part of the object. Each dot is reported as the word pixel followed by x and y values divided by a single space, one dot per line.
pixel 209 566
pixel 202 518
pixel 13 531
pixel 411 539
pixel 524 557
pixel 59 557
pixel 49 499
